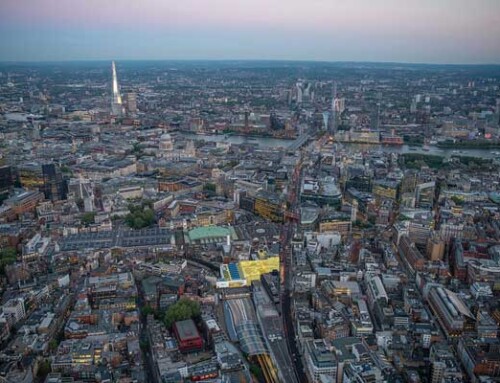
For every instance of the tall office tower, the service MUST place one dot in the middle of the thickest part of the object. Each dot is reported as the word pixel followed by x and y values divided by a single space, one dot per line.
pixel 116 99
pixel 247 114
pixel 333 125
pixel 326 117
pixel 131 101
pixel 498 111
pixel 36 131
pixel 54 186
pixel 340 105
pixel 8 179
pixel 377 116
pixel 299 94
pixel 413 107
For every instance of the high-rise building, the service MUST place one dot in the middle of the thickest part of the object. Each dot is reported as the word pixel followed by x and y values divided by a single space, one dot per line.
pixel 438 370
pixel 131 101
pixel 54 187
pixel 8 178
pixel 424 195
pixel 333 125
pixel 413 107
pixel 498 111
pixel 339 105
pixel 116 98
pixel 326 117
pixel 299 93
pixel 81 188
pixel 435 247
pixel 319 361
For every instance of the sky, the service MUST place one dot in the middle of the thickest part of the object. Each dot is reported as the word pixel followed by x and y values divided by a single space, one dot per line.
pixel 417 31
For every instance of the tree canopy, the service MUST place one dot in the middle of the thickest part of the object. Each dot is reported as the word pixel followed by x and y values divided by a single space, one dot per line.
pixel 209 186
pixel 458 200
pixel 140 216
pixel 181 310
pixel 8 256
pixel 147 310
pixel 44 369
pixel 53 344
pixel 88 218
pixel 137 150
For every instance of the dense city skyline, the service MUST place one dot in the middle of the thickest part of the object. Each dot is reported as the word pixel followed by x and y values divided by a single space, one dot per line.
pixel 249 221
pixel 442 31
pixel 249 191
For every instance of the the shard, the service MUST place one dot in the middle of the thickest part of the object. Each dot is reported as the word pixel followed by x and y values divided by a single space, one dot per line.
pixel 116 100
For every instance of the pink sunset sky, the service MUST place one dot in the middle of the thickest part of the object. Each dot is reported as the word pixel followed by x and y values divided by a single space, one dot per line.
pixel 435 31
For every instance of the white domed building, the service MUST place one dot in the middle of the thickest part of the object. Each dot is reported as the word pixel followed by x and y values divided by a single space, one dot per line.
pixel 166 144
pixel 166 148
pixel 168 151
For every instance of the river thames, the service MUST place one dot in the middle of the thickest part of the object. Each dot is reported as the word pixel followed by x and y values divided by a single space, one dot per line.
pixel 266 142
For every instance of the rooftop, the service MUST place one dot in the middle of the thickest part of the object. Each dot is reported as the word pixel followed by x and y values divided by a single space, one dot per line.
pixel 187 330
pixel 211 232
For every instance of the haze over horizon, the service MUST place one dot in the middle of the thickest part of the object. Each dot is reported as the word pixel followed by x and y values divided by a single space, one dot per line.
pixel 425 31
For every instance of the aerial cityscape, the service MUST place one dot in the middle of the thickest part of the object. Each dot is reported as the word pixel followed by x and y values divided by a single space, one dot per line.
pixel 250 221
pixel 249 208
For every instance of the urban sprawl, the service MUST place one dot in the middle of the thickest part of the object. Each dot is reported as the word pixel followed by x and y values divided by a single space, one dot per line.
pixel 249 222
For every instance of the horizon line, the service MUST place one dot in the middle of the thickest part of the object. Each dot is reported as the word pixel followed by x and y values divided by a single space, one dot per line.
pixel 43 61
